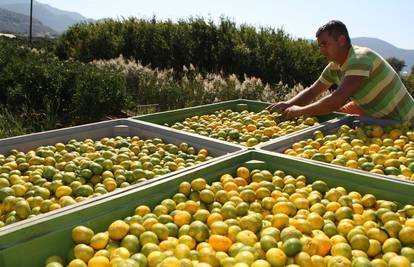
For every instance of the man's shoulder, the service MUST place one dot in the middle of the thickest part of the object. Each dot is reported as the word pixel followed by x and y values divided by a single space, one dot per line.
pixel 362 53
pixel 333 66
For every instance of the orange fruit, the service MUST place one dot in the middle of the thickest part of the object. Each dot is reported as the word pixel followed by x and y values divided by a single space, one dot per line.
pixel 377 131
pixel 243 172
pixel 98 261
pixel 214 217
pixel 120 252
pixel 361 261
pixel 188 241
pixel 198 184
pixel 83 252
pixel 260 263
pixel 284 207
pixel 318 261
pixel 246 237
pixel 199 231
pixel 155 258
pixel 170 262
pixel 323 243
pixel 160 230
pixel 77 263
pixel 142 210
pixel 339 261
pixel 276 257
pixel 82 234
pixel 395 133
pixel 379 263
pixel 219 228
pixel 182 251
pixel 360 242
pixel 406 235
pixel 391 245
pixel 399 261
pixel 99 241
pixel 377 234
pixel 315 220
pixel 292 246
pixel 219 242
pixel 118 229
pixel 342 249
pixel 181 218
pixel 374 248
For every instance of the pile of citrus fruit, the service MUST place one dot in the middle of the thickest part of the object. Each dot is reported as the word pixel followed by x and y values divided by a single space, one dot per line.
pixel 254 218
pixel 55 176
pixel 245 128
pixel 382 150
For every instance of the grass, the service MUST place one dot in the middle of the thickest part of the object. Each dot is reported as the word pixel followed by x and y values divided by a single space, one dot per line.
pixel 10 125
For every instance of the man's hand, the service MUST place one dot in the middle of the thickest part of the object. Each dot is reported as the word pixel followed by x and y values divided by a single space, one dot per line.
pixel 279 106
pixel 292 112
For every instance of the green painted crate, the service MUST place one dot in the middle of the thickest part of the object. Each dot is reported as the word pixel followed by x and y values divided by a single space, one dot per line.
pixel 98 215
pixel 330 127
pixel 112 128
pixel 170 117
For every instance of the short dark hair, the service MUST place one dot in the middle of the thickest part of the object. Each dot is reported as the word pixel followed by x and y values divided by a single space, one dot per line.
pixel 335 28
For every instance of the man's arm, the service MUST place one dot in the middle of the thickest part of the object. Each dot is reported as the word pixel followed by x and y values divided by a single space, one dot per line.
pixel 303 98
pixel 330 103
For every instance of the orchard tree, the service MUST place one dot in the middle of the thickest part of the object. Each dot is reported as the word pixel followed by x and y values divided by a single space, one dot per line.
pixel 396 63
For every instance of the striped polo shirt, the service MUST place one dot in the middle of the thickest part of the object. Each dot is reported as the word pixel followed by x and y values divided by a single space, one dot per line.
pixel 382 94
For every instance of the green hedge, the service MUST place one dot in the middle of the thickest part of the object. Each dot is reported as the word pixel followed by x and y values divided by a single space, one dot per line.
pixel 266 53
pixel 50 92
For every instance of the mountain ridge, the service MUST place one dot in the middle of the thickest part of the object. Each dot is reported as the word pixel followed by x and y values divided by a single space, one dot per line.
pixel 12 22
pixel 56 19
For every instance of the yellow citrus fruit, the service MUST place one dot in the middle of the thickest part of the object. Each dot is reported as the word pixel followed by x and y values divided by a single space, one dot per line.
pixel 118 229
pixel 339 261
pixel 276 257
pixel 77 263
pixel 98 261
pixel 82 234
pixel 399 261
pixel 99 241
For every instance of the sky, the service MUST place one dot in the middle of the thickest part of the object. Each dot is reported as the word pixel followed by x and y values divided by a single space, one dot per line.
pixel 389 20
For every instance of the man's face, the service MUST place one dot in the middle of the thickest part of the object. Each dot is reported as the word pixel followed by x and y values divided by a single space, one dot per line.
pixel 329 46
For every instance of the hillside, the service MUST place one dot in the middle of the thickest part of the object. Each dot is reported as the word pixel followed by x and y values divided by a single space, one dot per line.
pixel 387 50
pixel 56 19
pixel 19 23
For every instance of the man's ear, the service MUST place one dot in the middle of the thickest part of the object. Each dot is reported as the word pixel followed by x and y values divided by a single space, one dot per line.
pixel 342 40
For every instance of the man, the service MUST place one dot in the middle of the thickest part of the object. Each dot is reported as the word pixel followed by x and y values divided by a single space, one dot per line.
pixel 361 75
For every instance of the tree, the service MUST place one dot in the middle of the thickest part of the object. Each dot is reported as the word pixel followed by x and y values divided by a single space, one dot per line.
pixel 412 70
pixel 396 63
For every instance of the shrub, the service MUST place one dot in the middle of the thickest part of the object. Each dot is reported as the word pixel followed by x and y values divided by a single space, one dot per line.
pixel 51 92
pixel 147 86
pixel 266 53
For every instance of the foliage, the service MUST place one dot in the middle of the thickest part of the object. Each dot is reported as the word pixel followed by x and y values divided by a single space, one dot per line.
pixel 40 92
pixel 396 63
pixel 271 55
pixel 409 83
pixel 147 86
pixel 50 92
pixel 10 124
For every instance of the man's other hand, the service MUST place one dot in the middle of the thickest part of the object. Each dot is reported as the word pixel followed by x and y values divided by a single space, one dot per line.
pixel 279 106
pixel 293 112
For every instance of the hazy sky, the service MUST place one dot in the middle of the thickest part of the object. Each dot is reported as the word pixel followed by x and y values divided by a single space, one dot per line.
pixel 390 20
